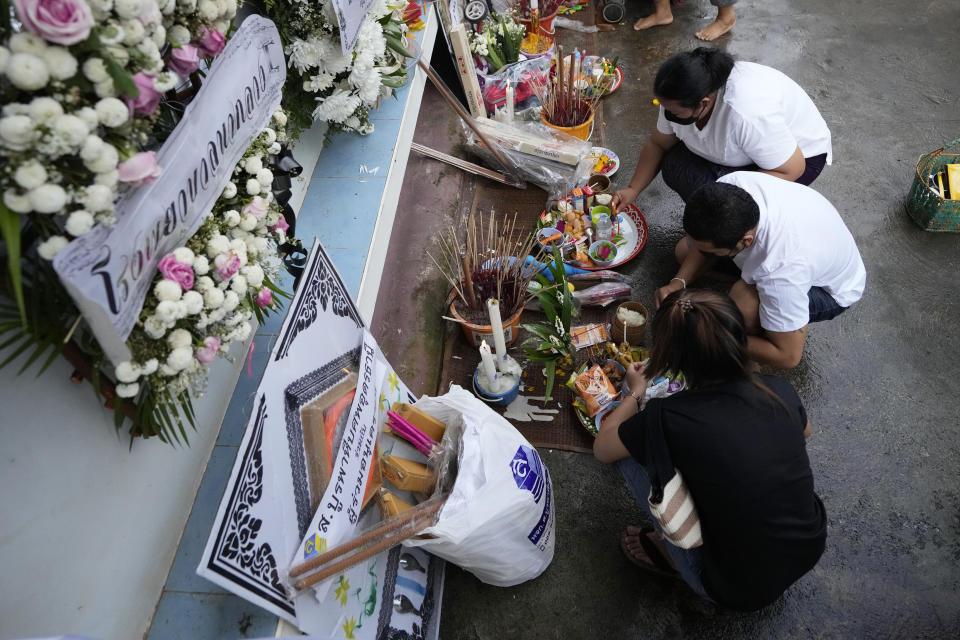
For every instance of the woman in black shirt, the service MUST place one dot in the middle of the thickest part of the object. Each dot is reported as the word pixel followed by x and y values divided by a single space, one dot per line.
pixel 737 440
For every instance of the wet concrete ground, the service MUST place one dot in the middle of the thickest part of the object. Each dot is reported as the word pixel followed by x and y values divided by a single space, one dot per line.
pixel 880 383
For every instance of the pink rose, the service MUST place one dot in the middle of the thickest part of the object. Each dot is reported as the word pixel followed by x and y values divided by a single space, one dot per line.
pixel 180 273
pixel 60 21
pixel 211 43
pixel 281 226
pixel 141 168
pixel 257 207
pixel 206 354
pixel 227 264
pixel 147 100
pixel 264 297
pixel 184 60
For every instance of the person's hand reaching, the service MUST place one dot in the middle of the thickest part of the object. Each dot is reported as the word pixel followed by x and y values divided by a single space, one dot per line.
pixel 637 379
pixel 623 197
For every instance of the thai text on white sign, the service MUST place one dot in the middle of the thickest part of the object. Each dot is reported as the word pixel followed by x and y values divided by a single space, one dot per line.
pixel 350 16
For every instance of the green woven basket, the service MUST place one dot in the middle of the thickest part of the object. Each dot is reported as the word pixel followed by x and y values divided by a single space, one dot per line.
pixel 924 204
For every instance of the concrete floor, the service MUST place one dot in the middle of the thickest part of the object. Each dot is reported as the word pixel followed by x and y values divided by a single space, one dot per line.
pixel 880 383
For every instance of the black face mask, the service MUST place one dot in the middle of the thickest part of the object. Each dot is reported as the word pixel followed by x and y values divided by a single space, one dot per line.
pixel 672 117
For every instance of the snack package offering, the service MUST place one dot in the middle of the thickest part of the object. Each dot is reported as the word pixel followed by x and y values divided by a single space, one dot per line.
pixel 595 389
pixel 588 335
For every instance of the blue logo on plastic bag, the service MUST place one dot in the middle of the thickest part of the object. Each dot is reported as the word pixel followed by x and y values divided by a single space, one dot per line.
pixel 528 472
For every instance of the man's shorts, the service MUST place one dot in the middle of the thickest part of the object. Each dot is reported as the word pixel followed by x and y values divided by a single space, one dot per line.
pixel 822 305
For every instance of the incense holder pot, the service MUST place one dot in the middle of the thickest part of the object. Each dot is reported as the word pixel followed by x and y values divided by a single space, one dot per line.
pixel 496 399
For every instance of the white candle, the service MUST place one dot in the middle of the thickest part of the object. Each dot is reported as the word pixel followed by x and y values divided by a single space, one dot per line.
pixel 508 117
pixel 534 5
pixel 493 308
pixel 486 361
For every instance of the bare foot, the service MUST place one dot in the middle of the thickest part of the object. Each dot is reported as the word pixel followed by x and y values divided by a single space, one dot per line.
pixel 661 15
pixel 724 22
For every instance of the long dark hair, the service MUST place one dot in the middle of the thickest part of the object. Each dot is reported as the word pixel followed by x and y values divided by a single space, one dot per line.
pixel 702 334
pixel 691 76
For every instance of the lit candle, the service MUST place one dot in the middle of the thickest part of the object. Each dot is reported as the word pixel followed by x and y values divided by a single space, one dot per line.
pixel 508 117
pixel 493 308
pixel 534 5
pixel 486 361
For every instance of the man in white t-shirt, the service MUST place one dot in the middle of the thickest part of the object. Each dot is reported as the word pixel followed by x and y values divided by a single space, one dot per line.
pixel 799 264
pixel 718 116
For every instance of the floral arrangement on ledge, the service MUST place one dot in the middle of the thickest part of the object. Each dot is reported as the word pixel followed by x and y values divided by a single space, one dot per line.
pixel 498 42
pixel 323 85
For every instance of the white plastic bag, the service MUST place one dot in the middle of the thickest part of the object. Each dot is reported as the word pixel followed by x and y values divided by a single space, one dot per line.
pixel 498 522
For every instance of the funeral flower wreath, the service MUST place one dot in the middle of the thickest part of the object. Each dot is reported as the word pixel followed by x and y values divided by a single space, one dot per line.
pixel 88 94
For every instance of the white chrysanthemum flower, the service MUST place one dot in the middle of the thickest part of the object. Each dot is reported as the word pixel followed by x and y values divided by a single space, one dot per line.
pixel 149 367
pixel 180 359
pixel 238 284
pixel 89 117
pixel 112 33
pixel 112 112
pixel 254 274
pixel 213 298
pixel 230 301
pixel 105 89
pixel 229 191
pixel 30 175
pixel 337 107
pixel 165 81
pixel 208 10
pixel 16 202
pixel 95 70
pixel 353 122
pixel 183 255
pixel 79 222
pixel 179 34
pixel 280 118
pixel 71 129
pixel 60 63
pixel 97 198
pixel 201 266
pixel 127 390
pixel 107 178
pixel 92 146
pixel 252 250
pixel 47 198
pixel 265 176
pixel 168 310
pixel 26 42
pixel 107 160
pixel 230 9
pixel 119 53
pixel 179 338
pixel 240 248
pixel 127 371
pixel 193 301
pixel 167 290
pixel 216 245
pixel 238 233
pixel 253 164
pixel 154 327
pixel 231 217
pixel 243 331
pixel 203 283
pixel 166 371
pixel 133 32
pixel 253 187
pixel 159 36
pixel 27 72
pixel 148 49
pixel 319 82
pixel 167 7
pixel 269 136
pixel 51 247
pixel 127 9
pixel 262 244
pixel 274 149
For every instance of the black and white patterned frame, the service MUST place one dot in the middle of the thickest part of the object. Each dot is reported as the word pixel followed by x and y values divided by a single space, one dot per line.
pixel 295 396
pixel 236 554
pixel 324 287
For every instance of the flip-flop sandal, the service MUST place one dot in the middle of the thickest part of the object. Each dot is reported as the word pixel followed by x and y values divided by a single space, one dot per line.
pixel 657 563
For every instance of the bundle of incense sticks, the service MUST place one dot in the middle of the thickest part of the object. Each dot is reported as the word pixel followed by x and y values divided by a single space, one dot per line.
pixel 562 100
pixel 403 428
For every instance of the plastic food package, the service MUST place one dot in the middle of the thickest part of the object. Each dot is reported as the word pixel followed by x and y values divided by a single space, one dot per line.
pixel 595 389
pixel 522 75
pixel 600 295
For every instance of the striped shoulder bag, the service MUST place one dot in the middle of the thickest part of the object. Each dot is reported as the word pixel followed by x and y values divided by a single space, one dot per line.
pixel 670 500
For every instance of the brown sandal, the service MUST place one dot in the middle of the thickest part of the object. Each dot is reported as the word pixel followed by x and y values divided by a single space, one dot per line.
pixel 655 561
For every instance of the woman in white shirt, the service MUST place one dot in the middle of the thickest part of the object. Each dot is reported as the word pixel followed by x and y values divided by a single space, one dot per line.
pixel 718 116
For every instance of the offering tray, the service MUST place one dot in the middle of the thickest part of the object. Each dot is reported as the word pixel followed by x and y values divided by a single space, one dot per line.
pixel 630 240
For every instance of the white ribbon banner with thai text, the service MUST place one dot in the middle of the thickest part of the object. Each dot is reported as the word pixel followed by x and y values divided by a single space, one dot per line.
pixel 109 270
pixel 350 17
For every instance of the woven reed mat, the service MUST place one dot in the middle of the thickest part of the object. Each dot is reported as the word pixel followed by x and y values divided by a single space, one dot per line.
pixel 560 430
